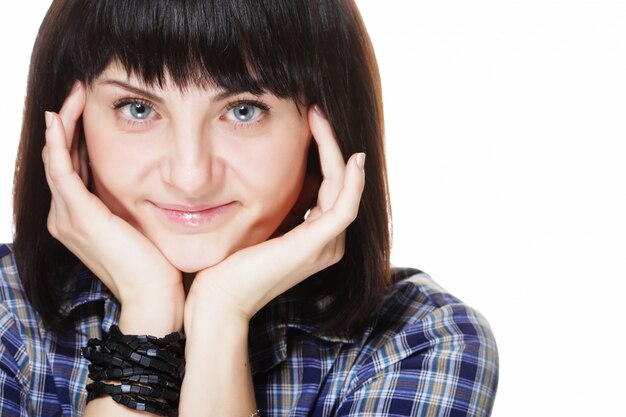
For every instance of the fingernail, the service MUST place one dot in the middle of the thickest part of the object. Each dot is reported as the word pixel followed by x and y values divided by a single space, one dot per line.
pixel 75 87
pixel 360 160
pixel 319 111
pixel 49 119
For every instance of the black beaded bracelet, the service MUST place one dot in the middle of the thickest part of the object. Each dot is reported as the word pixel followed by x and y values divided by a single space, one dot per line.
pixel 153 381
pixel 134 374
pixel 105 358
pixel 139 403
pixel 121 356
pixel 171 340
pixel 98 389
pixel 150 370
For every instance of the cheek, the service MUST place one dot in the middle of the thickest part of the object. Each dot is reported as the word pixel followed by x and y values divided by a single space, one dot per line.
pixel 279 170
pixel 116 167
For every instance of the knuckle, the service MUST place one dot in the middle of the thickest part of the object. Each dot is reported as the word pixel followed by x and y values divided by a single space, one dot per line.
pixel 337 254
pixel 63 226
pixel 326 258
pixel 75 225
pixel 354 214
pixel 348 217
pixel 329 256
pixel 52 227
pixel 56 175
pixel 343 217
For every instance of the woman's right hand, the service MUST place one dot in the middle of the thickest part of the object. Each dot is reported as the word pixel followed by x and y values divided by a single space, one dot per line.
pixel 129 264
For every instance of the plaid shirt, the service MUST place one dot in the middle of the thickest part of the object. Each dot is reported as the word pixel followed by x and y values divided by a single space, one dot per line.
pixel 424 354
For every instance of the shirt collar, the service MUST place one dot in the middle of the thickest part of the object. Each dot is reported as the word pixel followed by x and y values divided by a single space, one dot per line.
pixel 83 288
pixel 268 342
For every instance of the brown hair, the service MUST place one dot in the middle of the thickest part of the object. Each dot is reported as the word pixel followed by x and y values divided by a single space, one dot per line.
pixel 294 48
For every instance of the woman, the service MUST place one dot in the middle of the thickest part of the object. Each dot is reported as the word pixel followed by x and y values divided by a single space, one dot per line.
pixel 183 166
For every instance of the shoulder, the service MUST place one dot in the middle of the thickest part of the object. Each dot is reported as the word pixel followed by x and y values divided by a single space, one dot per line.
pixel 429 346
pixel 12 294
pixel 14 319
pixel 427 318
pixel 17 312
pixel 416 303
pixel 19 322
pixel 4 250
pixel 13 298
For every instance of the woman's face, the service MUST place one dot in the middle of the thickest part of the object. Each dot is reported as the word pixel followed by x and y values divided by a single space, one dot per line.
pixel 201 172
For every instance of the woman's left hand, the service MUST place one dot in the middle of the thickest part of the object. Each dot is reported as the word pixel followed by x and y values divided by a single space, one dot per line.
pixel 224 297
pixel 250 278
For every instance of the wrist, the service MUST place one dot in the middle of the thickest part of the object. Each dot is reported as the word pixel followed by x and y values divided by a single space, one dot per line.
pixel 166 286
pixel 208 298
pixel 152 316
pixel 207 318
pixel 216 345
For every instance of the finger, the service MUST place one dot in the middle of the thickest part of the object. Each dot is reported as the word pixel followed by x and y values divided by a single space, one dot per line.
pixel 348 201
pixel 331 160
pixel 313 214
pixel 52 214
pixel 71 111
pixel 329 224
pixel 57 204
pixel 46 165
pixel 64 182
pixel 70 114
pixel 58 158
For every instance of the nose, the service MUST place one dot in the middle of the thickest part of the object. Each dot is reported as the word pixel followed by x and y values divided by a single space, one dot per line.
pixel 190 163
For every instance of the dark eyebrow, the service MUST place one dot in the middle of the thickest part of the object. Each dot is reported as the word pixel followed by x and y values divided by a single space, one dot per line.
pixel 153 97
pixel 224 94
pixel 133 89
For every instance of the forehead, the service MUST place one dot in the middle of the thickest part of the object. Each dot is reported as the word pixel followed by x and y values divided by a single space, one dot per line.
pixel 116 73
pixel 116 76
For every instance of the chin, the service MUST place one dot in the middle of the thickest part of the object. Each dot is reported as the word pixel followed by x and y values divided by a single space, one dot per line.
pixel 190 259
pixel 193 253
pixel 185 263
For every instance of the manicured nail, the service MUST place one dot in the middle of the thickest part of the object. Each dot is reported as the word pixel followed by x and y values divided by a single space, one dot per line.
pixel 49 119
pixel 360 160
pixel 319 111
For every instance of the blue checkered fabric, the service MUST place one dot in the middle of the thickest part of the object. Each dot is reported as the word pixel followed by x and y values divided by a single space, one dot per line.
pixel 425 353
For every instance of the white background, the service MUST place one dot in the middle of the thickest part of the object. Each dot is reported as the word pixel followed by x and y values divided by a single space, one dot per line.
pixel 505 137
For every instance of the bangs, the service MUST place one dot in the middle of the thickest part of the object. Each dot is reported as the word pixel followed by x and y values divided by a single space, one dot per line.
pixel 237 45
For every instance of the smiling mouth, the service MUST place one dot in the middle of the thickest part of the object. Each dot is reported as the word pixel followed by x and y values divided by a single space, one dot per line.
pixel 192 216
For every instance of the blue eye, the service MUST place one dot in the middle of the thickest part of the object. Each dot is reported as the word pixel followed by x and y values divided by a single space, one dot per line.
pixel 244 112
pixel 135 110
pixel 139 111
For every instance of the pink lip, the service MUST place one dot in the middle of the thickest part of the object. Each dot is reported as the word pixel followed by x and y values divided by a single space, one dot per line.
pixel 192 216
